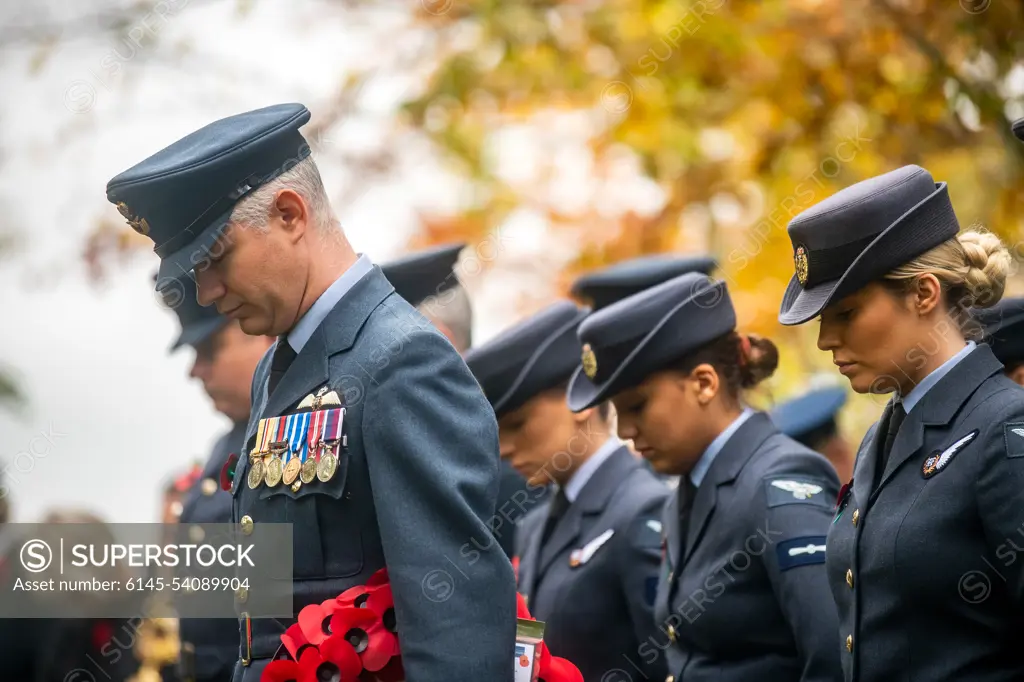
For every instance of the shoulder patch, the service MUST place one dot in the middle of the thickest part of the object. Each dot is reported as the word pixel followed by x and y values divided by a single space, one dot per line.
pixel 937 461
pixel 1013 435
pixel 802 551
pixel 780 491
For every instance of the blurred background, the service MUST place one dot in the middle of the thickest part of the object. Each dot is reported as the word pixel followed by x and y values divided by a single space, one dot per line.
pixel 552 137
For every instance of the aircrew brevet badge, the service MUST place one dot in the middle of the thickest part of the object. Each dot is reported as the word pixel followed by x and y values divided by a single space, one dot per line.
pixel 939 460
pixel 138 224
pixel 800 261
pixel 589 361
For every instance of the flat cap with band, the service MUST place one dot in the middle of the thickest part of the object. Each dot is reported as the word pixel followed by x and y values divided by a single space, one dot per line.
pixel 1003 326
pixel 601 288
pixel 420 275
pixel 629 340
pixel 182 196
pixel 536 355
pixel 862 233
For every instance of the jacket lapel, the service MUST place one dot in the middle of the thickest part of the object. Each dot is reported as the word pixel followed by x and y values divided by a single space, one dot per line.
pixel 736 452
pixel 939 405
pixel 529 564
pixel 592 500
pixel 864 470
pixel 670 524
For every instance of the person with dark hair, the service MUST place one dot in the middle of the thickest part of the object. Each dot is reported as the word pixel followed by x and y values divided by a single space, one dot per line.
pixel 588 558
pixel 742 593
pixel 917 556
pixel 810 419
pixel 1003 328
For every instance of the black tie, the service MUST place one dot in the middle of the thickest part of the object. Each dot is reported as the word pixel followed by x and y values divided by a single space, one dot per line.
pixel 556 511
pixel 892 428
pixel 284 355
pixel 687 492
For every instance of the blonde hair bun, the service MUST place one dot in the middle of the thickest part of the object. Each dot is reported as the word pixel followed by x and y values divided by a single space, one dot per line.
pixel 988 265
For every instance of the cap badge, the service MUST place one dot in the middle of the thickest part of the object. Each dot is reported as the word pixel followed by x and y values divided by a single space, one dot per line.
pixel 138 224
pixel 800 260
pixel 589 361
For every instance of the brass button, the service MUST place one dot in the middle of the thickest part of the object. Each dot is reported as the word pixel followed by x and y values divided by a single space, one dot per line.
pixel 196 534
pixel 246 524
pixel 856 516
pixel 849 642
pixel 670 678
pixel 242 594
pixel 209 486
pixel 671 633
pixel 849 578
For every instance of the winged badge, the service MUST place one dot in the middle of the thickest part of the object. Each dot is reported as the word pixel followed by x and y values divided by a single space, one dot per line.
pixel 801 491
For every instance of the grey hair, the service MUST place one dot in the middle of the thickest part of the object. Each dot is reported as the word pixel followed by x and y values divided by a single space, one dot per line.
pixel 452 308
pixel 255 210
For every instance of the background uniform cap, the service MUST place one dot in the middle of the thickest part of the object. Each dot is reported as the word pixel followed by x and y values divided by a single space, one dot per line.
pixel 529 358
pixel 198 323
pixel 182 196
pixel 862 233
pixel 1018 129
pixel 809 411
pixel 647 332
pixel 1003 325
pixel 603 287
pixel 423 274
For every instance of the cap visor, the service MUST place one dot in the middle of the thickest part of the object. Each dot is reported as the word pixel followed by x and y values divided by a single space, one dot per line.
pixel 1018 129
pixel 197 333
pixel 211 242
pixel 800 305
pixel 583 392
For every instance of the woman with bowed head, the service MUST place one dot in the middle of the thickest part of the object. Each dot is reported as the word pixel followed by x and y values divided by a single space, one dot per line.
pixel 742 592
pixel 922 557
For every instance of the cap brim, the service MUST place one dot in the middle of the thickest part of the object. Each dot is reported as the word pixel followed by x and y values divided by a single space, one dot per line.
pixel 196 334
pixel 196 253
pixel 1018 129
pixel 800 305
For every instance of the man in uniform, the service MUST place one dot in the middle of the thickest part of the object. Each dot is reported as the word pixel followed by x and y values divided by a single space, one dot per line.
pixel 810 419
pixel 427 280
pixel 225 360
pixel 408 469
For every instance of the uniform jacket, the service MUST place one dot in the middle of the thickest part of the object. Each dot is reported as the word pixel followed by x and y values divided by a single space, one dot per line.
pixel 416 482
pixel 748 599
pixel 515 499
pixel 210 645
pixel 926 570
pixel 593 582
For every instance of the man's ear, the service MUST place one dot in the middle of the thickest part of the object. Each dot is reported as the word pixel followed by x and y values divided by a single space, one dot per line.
pixel 292 212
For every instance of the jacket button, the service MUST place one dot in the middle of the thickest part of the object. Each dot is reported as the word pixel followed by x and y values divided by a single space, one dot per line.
pixel 849 578
pixel 209 486
pixel 246 524
pixel 856 516
pixel 242 594
pixel 849 642
pixel 671 633
pixel 670 678
pixel 196 534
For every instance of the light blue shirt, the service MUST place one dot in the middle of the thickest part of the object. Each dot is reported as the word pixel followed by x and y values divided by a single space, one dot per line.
pixel 305 327
pixel 704 463
pixel 915 395
pixel 587 469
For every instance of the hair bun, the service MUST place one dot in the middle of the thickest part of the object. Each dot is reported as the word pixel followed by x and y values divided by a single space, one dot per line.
pixel 987 263
pixel 760 358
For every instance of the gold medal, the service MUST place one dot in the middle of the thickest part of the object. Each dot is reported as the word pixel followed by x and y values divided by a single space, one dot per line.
pixel 274 472
pixel 328 463
pixel 291 470
pixel 255 473
pixel 308 470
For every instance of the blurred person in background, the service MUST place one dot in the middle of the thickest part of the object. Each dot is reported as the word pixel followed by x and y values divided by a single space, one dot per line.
pixel 225 360
pixel 588 559
pixel 427 280
pixel 743 593
pixel 1003 328
pixel 938 485
pixel 811 419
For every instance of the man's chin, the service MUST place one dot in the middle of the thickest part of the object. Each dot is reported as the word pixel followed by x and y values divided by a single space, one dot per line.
pixel 255 326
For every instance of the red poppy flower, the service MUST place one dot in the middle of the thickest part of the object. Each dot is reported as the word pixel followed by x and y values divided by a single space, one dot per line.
pixel 379 578
pixel 364 631
pixel 560 670
pixel 355 596
pixel 280 671
pixel 227 472
pixel 515 567
pixel 314 621
pixel 392 672
pixel 521 610
pixel 294 641
pixel 544 662
pixel 334 662
pixel 382 602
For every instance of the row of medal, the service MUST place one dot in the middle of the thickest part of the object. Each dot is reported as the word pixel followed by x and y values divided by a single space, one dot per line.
pixel 297 448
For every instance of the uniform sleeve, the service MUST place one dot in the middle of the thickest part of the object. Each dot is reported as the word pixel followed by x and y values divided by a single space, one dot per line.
pixel 999 494
pixel 431 444
pixel 639 563
pixel 798 514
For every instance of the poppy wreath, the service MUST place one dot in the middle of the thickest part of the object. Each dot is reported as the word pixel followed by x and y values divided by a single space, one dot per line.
pixel 354 638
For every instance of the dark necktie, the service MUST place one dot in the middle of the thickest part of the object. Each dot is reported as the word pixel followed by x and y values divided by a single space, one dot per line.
pixel 284 355
pixel 556 511
pixel 892 428
pixel 687 492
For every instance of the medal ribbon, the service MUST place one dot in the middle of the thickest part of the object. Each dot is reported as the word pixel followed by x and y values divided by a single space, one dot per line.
pixel 332 429
pixel 316 424
pixel 296 431
pixel 281 427
pixel 261 438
